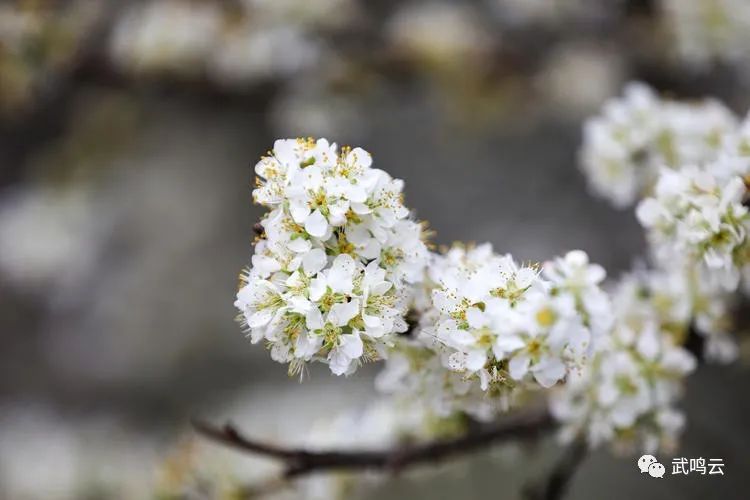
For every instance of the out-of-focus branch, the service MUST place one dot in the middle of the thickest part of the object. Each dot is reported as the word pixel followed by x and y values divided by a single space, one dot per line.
pixel 556 484
pixel 300 461
pixel 694 343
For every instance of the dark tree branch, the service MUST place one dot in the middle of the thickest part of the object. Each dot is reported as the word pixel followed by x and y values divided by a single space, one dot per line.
pixel 299 461
pixel 556 484
pixel 695 343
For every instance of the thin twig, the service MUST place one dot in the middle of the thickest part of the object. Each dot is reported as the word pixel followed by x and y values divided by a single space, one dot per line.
pixel 556 484
pixel 299 461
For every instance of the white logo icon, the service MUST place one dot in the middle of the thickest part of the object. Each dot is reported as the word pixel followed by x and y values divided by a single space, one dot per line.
pixel 656 470
pixel 645 462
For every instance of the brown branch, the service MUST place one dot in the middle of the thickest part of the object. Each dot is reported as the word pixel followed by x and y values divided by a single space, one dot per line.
pixel 300 461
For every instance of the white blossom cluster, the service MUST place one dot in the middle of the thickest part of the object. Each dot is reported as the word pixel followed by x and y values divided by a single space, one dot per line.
pixel 626 395
pixel 439 34
pixel 166 36
pixel 333 276
pixel 696 215
pixel 416 373
pixel 709 31
pixel 688 163
pixel 500 321
pixel 697 222
pixel 638 134
pixel 492 330
pixel 574 276
pixel 251 42
pixel 340 265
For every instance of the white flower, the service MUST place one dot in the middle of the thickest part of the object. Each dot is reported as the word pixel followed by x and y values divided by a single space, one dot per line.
pixel 252 50
pixel 500 323
pixel 48 238
pixel 678 299
pixel 734 159
pixel 490 329
pixel 613 144
pixel 327 198
pixel 251 42
pixel 574 275
pixel 625 395
pixel 696 217
pixel 721 348
pixel 416 374
pixel 548 339
pixel 335 271
pixel 706 31
pixel 166 35
pixel 443 34
pixel 260 302
pixel 339 278
pixel 378 313
pixel 349 349
pixel 636 135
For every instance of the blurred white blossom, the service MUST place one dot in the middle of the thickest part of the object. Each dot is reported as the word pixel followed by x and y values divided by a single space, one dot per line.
pixel 48 455
pixel 696 216
pixel 439 34
pixel 416 373
pixel 689 164
pixel 636 135
pixel 232 45
pixel 626 394
pixel 597 71
pixel 340 421
pixel 709 31
pixel 166 35
pixel 48 237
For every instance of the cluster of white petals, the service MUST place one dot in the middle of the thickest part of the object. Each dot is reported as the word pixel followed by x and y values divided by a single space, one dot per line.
pixel 340 265
pixel 574 276
pixel 333 276
pixel 501 323
pixel 709 31
pixel 688 165
pixel 165 36
pixel 415 372
pixel 492 330
pixel 696 215
pixel 245 42
pixel 439 34
pixel 696 218
pixel 626 395
pixel 637 134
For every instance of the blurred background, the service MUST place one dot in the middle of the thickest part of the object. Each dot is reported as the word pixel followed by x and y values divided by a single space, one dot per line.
pixel 128 132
